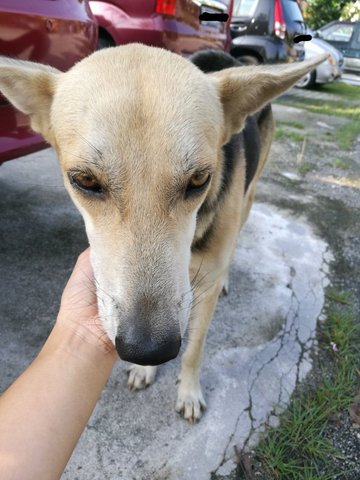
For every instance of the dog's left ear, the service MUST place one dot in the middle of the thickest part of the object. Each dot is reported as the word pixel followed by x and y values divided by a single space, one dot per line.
pixel 30 88
pixel 245 90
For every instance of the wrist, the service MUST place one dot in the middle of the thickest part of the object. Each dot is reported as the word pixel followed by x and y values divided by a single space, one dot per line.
pixel 78 341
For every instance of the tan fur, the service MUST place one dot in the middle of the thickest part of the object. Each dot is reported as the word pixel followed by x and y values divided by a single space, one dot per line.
pixel 143 121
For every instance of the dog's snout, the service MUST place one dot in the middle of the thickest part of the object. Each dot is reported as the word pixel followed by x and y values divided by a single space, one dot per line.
pixel 147 351
pixel 149 333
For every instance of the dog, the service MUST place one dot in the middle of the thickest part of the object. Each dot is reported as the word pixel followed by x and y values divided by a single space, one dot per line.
pixel 162 161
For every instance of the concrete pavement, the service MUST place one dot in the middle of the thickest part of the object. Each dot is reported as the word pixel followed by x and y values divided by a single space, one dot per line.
pixel 257 348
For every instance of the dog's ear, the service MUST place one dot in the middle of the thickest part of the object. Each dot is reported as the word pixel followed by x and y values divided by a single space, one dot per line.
pixel 30 88
pixel 245 90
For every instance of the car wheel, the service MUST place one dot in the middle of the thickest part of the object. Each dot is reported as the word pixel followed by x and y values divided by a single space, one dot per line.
pixel 104 41
pixel 307 81
pixel 248 60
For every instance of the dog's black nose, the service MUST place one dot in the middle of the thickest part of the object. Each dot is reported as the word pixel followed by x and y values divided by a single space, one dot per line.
pixel 145 351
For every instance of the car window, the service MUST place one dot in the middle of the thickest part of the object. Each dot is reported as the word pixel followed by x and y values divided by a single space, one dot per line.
pixel 338 33
pixel 292 11
pixel 244 8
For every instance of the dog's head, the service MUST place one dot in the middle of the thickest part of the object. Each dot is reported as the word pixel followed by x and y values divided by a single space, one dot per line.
pixel 139 133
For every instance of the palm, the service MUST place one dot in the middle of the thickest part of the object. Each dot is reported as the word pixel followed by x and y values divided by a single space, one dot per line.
pixel 79 301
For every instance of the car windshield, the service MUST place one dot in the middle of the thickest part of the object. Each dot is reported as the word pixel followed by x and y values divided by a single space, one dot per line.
pixel 244 8
pixel 338 33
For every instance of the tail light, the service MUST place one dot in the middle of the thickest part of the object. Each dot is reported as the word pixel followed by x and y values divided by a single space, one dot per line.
pixel 166 7
pixel 279 23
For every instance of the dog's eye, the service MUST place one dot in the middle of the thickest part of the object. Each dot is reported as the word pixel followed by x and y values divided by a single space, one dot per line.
pixel 86 183
pixel 198 183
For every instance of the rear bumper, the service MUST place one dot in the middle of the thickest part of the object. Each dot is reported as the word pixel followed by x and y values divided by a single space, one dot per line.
pixel 352 64
pixel 157 31
pixel 327 73
pixel 271 50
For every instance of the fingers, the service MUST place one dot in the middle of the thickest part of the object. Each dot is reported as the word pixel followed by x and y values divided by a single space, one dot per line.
pixel 80 290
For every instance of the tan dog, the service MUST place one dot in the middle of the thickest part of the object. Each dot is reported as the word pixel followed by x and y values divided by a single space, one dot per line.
pixel 152 156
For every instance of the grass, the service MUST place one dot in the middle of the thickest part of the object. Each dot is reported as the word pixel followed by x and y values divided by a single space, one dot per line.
pixel 292 123
pixel 332 108
pixel 281 132
pixel 338 163
pixel 346 134
pixel 298 450
pixel 347 108
pixel 349 92
pixel 304 168
pixel 335 295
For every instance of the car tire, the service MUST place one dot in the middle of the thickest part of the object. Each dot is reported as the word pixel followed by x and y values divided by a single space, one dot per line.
pixel 308 81
pixel 248 60
pixel 104 41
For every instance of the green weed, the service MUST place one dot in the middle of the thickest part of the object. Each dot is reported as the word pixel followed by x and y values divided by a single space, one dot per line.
pixel 304 168
pixel 281 132
pixel 338 163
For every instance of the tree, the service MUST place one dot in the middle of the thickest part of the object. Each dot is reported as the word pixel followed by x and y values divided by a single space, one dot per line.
pixel 351 11
pixel 320 12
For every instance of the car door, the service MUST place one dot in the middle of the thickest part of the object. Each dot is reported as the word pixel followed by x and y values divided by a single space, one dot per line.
pixel 339 34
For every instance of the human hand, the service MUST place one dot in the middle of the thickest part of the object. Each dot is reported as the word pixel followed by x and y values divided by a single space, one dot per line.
pixel 79 309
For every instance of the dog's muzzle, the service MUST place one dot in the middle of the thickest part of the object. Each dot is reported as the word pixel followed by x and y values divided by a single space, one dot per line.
pixel 147 351
pixel 149 332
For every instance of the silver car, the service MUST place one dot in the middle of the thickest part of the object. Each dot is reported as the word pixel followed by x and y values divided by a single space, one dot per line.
pixel 329 70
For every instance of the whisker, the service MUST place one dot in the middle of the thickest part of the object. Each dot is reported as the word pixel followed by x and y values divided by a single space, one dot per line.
pixel 95 149
pixel 201 279
pixel 196 300
pixel 94 283
pixel 198 270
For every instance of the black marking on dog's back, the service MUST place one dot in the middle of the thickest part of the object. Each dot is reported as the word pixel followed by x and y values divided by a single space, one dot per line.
pixel 247 140
pixel 251 136
pixel 213 60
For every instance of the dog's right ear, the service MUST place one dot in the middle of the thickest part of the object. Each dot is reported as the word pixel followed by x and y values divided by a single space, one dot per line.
pixel 30 88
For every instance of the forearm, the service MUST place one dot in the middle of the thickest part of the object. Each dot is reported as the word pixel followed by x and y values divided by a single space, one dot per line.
pixel 43 414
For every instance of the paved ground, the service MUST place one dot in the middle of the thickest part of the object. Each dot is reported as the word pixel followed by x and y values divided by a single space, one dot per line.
pixel 258 345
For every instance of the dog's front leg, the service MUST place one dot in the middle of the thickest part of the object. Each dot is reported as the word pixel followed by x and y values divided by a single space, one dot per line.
pixel 141 376
pixel 190 400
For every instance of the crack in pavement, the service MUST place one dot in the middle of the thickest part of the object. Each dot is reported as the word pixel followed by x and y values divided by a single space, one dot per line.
pixel 288 334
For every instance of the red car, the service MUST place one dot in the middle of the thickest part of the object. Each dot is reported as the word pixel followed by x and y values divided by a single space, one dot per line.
pixel 54 32
pixel 170 24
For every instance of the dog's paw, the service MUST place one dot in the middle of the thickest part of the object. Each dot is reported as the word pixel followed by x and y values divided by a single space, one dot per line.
pixel 140 376
pixel 190 403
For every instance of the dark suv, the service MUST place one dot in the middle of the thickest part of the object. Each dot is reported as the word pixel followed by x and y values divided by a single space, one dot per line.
pixel 263 31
